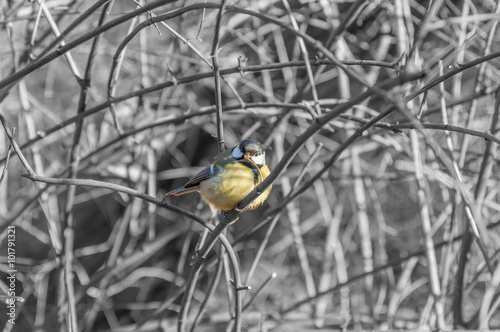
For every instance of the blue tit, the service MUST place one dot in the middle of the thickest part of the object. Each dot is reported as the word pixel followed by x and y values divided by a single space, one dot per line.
pixel 233 175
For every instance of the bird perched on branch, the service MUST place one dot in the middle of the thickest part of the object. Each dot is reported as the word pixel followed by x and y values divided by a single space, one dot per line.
pixel 233 175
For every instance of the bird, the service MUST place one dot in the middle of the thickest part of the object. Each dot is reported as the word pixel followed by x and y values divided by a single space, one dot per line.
pixel 232 176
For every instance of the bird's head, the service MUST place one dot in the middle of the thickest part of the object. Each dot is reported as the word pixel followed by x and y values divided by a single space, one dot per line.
pixel 251 150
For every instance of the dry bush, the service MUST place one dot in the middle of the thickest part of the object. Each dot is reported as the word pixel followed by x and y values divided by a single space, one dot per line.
pixel 380 122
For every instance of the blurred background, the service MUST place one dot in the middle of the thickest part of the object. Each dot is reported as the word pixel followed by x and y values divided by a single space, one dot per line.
pixel 397 229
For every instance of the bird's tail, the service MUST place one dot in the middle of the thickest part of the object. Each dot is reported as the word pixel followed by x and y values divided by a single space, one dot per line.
pixel 181 191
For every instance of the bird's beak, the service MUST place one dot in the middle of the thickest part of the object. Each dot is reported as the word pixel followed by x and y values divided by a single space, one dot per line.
pixel 250 160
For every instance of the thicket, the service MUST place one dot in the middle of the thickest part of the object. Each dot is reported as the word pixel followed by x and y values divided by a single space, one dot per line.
pixel 380 121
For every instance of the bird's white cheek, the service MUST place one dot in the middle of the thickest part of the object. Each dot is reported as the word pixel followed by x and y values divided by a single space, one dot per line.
pixel 260 160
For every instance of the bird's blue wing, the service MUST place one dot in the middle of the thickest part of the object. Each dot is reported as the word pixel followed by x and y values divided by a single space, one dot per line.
pixel 193 184
pixel 204 174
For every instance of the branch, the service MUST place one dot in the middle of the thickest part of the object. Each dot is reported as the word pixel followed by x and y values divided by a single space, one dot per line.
pixel 486 135
pixel 218 93
pixel 117 188
pixel 15 146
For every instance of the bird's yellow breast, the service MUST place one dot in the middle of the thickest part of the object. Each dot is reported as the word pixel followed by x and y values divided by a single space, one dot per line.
pixel 225 190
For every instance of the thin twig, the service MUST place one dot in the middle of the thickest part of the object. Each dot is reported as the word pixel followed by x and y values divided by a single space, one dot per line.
pixel 72 25
pixel 261 288
pixel 293 214
pixel 6 165
pixel 305 55
pixel 56 32
pixel 15 146
pixel 196 268
pixel 486 135
pixel 214 54
pixel 210 293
